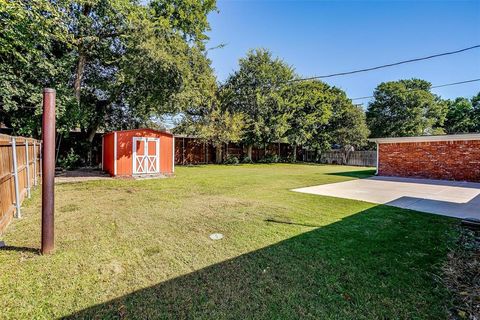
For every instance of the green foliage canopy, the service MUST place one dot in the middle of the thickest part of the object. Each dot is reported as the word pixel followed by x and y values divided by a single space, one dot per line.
pixel 310 108
pixel 405 108
pixel 261 104
pixel 463 115
pixel 251 91
pixel 114 63
pixel 347 126
pixel 33 46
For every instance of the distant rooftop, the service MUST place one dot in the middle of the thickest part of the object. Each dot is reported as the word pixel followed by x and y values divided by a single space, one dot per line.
pixel 444 137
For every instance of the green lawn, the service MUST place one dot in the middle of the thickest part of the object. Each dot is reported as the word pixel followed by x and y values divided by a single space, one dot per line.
pixel 141 249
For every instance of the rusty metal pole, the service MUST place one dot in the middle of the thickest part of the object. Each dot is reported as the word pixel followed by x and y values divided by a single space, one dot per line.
pixel 48 170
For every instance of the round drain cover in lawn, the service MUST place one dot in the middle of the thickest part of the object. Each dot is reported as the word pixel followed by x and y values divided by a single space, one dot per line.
pixel 216 236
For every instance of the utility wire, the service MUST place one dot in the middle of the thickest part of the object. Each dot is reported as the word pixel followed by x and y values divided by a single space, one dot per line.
pixel 432 87
pixel 353 99
pixel 359 98
pixel 387 65
pixel 376 68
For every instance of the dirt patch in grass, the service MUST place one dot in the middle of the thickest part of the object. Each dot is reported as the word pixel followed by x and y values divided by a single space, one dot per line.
pixel 462 275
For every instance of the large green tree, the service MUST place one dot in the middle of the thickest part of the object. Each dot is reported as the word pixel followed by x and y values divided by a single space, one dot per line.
pixel 148 60
pixel 208 120
pixel 463 115
pixel 405 108
pixel 476 112
pixel 309 106
pixel 115 63
pixel 33 43
pixel 253 90
pixel 322 116
pixel 460 116
pixel 347 128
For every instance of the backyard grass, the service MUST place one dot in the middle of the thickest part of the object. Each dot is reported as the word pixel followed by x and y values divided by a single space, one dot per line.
pixel 140 249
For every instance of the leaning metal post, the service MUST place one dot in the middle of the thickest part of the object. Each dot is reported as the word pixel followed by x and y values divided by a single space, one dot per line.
pixel 18 213
pixel 27 163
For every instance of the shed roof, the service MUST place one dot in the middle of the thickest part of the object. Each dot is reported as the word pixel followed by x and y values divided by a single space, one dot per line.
pixel 141 129
pixel 444 137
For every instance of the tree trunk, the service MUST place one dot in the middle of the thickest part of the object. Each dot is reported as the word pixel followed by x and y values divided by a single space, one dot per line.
pixel 294 153
pixel 90 135
pixel 317 155
pixel 346 153
pixel 82 60
pixel 91 132
pixel 218 153
pixel 249 151
pixel 95 123
pixel 77 86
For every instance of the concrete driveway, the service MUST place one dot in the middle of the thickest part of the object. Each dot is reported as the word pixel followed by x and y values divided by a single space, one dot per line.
pixel 449 198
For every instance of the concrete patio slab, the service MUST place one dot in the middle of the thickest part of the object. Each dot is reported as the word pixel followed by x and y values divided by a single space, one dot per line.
pixel 449 198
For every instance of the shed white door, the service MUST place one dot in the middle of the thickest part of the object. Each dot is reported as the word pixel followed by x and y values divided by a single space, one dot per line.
pixel 146 155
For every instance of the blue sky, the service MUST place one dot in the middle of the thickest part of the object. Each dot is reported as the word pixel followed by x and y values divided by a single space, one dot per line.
pixel 320 37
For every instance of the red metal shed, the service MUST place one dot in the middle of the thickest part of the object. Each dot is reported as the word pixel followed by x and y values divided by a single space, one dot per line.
pixel 138 152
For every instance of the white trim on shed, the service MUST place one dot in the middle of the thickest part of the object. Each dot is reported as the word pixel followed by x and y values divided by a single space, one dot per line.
pixel 115 153
pixel 173 154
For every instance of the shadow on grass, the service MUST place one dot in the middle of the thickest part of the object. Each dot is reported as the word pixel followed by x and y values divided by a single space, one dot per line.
pixel 272 220
pixel 360 174
pixel 377 264
pixel 20 249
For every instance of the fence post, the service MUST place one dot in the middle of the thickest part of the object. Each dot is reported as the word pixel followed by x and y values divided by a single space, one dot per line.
pixel 183 151
pixel 27 163
pixel 40 160
pixel 34 162
pixel 18 214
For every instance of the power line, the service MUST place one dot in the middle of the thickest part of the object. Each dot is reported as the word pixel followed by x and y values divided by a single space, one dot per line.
pixel 370 69
pixel 432 87
pixel 387 65
pixel 359 98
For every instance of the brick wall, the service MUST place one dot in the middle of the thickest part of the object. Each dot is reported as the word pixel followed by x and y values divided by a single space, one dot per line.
pixel 450 160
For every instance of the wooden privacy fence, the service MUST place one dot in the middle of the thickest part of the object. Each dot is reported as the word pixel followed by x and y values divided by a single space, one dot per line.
pixel 355 158
pixel 191 150
pixel 20 171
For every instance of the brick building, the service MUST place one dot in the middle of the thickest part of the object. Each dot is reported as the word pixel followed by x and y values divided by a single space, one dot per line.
pixel 447 157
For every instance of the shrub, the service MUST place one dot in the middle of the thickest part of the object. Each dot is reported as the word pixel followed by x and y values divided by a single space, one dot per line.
pixel 290 159
pixel 69 161
pixel 231 160
pixel 271 158
pixel 247 159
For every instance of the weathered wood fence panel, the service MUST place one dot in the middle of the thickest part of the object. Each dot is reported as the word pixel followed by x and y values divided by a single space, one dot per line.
pixel 355 158
pixel 20 171
pixel 193 151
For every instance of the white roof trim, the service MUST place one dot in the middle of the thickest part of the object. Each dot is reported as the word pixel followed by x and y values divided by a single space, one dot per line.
pixel 445 137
